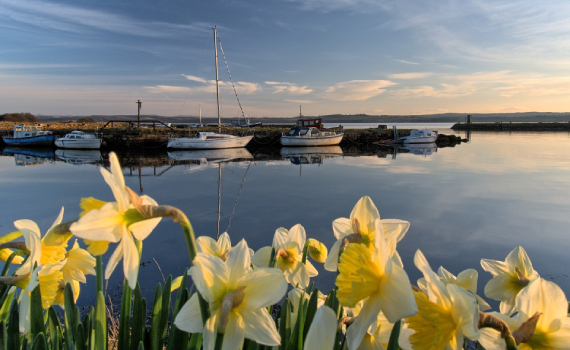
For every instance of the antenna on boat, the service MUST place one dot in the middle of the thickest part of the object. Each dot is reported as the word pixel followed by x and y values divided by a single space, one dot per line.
pixel 217 84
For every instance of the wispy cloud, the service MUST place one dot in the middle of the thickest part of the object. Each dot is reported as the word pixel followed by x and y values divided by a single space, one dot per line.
pixel 193 78
pixel 74 19
pixel 290 88
pixel 407 62
pixel 356 90
pixel 406 76
pixel 301 101
pixel 209 86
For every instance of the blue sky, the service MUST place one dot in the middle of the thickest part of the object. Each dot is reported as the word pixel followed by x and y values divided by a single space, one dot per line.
pixel 330 56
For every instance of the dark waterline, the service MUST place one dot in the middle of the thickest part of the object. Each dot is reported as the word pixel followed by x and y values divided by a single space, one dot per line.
pixel 476 200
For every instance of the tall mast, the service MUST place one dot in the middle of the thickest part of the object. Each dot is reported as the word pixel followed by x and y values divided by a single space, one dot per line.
pixel 217 85
pixel 200 107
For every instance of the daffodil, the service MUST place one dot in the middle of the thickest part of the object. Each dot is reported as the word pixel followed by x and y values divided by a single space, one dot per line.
pixel 370 273
pixel 509 278
pixel 552 330
pixel 5 253
pixel 466 279
pixel 446 315
pixel 317 251
pixel 296 295
pixel 322 332
pixel 289 246
pixel 116 222
pixel 378 334
pixel 220 248
pixel 361 228
pixel 237 296
pixel 24 301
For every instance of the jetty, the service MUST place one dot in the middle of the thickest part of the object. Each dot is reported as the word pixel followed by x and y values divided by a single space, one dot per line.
pixel 510 126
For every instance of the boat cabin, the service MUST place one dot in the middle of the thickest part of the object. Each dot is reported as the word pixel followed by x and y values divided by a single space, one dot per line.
pixel 28 131
pixel 422 133
pixel 303 131
pixel 79 135
pixel 309 122
pixel 209 136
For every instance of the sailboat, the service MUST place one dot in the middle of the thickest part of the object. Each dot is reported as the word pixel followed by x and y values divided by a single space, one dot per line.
pixel 211 140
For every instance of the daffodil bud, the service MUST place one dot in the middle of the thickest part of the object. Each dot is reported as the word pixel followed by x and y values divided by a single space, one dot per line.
pixel 317 250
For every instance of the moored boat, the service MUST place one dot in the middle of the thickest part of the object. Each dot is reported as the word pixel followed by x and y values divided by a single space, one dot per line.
pixel 29 136
pixel 79 140
pixel 303 136
pixel 420 136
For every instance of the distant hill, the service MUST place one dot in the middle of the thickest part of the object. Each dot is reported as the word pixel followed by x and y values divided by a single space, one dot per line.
pixel 18 117
pixel 347 118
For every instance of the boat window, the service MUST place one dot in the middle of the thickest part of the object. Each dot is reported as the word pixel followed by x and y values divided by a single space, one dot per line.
pixel 314 131
pixel 294 131
pixel 303 131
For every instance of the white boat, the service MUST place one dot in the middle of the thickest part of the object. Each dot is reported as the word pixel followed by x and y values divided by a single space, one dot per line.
pixel 79 140
pixel 303 136
pixel 210 140
pixel 420 136
pixel 207 156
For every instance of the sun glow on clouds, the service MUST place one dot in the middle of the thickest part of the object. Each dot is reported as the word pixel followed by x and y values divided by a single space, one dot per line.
pixel 356 90
pixel 409 75
pixel 209 86
pixel 291 88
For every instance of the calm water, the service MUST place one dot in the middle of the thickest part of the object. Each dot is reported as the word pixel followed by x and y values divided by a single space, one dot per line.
pixel 477 200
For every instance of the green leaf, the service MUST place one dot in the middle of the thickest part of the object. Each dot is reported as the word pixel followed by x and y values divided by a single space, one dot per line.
pixel 311 310
pixel 5 309
pixel 155 331
pixel 125 318
pixel 71 320
pixel 80 338
pixel 36 314
pixel 99 326
pixel 285 324
pixel 166 294
pixel 40 342
pixel 13 327
pixel 195 341
pixel 54 329
pixel 3 336
pixel 394 335
pixel 139 318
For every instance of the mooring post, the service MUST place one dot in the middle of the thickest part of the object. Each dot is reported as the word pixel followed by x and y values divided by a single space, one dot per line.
pixel 139 114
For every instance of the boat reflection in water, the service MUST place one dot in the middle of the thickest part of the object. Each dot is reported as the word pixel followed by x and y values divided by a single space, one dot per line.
pixel 310 155
pixel 420 149
pixel 78 156
pixel 30 156
pixel 210 155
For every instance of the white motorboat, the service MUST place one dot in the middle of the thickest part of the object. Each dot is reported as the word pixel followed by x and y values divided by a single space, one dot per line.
pixel 303 136
pixel 79 140
pixel 420 136
pixel 210 140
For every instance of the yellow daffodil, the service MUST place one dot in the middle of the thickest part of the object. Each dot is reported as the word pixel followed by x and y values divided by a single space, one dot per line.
pixel 238 297
pixel 289 246
pixel 322 332
pixel 317 250
pixel 446 315
pixel 361 228
pixel 296 295
pixel 116 222
pixel 466 279
pixel 220 248
pixel 49 278
pixel 24 301
pixel 371 273
pixel 552 330
pixel 509 278
pixel 378 334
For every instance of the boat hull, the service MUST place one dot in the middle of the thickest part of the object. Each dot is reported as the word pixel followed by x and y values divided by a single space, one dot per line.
pixel 427 139
pixel 78 144
pixel 298 141
pixel 193 143
pixel 31 141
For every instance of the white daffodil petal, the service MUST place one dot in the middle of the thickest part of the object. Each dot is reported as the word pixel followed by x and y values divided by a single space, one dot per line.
pixel 311 270
pixel 519 258
pixel 297 274
pixel 189 318
pixel 507 307
pixel 210 275
pixel 32 238
pixel 119 192
pixel 280 237
pixel 297 234
pixel 366 317
pixel 397 296
pixel 210 332
pixel 142 229
pixel 264 287
pixel 114 260
pixel 322 332
pixel 366 213
pixel 464 305
pixel 24 321
pixel 544 297
pixel 394 229
pixel 341 228
pixel 561 338
pixel 239 261
pixel 234 332
pixel 260 327
pixel 468 280
pixel 500 287
pixel 131 260
pixel 207 245
pixel 104 224
pixel 261 257
pixel 332 258
pixel 57 220
pixel 436 289
pixel 224 242
pixel 491 339
pixel 494 267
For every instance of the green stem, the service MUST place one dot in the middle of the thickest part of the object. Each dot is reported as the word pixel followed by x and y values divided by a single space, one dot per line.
pixel 305 252
pixel 99 276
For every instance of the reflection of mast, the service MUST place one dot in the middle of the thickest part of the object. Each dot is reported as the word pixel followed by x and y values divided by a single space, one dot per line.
pixel 219 198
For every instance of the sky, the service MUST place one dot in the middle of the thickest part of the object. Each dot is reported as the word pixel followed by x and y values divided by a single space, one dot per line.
pixel 377 57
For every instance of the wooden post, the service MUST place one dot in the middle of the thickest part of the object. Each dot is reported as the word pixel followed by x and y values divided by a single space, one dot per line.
pixel 139 114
